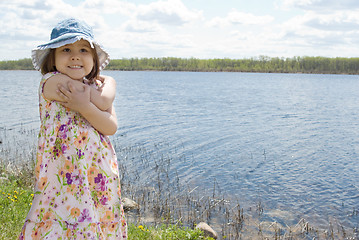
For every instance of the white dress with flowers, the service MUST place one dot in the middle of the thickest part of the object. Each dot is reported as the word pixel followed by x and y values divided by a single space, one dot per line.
pixel 77 189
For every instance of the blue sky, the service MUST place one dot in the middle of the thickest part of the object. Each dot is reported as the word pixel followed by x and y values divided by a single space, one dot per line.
pixel 190 28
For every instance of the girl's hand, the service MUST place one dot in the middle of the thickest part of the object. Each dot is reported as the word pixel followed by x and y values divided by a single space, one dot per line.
pixel 101 97
pixel 105 94
pixel 101 83
pixel 76 99
pixel 101 79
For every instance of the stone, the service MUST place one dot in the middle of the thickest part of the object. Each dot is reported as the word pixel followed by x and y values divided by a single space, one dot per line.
pixel 207 230
pixel 129 204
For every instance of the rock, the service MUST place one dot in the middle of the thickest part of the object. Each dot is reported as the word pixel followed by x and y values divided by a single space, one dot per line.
pixel 207 230
pixel 129 204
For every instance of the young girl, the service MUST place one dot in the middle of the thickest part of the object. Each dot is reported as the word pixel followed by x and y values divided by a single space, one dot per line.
pixel 77 188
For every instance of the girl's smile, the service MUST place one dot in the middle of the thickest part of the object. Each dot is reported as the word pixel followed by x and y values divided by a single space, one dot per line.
pixel 75 60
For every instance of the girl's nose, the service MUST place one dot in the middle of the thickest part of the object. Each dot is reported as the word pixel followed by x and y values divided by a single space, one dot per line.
pixel 75 57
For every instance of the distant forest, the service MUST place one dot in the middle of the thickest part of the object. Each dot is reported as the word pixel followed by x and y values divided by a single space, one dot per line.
pixel 320 65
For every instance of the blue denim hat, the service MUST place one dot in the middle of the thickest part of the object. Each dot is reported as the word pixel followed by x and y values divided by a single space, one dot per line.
pixel 67 32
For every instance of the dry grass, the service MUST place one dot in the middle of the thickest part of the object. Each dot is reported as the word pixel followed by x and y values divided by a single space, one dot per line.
pixel 164 200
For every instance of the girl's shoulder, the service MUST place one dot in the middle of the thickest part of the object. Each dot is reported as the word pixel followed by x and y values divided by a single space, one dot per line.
pixel 48 75
pixel 49 85
pixel 44 79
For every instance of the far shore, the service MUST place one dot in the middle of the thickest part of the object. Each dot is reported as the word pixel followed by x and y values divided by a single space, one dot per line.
pixel 261 64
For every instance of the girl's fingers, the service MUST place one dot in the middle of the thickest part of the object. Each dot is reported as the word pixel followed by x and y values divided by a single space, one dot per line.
pixel 86 88
pixel 62 92
pixel 71 88
pixel 62 96
pixel 101 79
pixel 61 89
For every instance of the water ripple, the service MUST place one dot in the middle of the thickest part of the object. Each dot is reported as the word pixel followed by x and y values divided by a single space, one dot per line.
pixel 289 141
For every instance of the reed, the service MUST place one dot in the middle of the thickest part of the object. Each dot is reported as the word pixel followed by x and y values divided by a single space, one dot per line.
pixel 167 204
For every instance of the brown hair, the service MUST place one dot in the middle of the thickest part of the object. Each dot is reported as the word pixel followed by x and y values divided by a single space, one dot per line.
pixel 48 65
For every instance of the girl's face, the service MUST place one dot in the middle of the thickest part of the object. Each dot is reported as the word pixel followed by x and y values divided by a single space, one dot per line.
pixel 75 60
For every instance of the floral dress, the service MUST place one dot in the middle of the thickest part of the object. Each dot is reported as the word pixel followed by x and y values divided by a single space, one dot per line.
pixel 77 188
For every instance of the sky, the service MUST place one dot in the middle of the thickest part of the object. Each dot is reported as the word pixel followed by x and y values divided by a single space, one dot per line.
pixel 190 28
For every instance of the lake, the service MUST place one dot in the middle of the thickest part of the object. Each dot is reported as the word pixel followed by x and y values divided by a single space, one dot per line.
pixel 288 141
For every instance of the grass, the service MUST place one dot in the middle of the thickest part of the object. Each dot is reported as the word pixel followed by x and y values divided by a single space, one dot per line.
pixel 15 202
pixel 169 210
pixel 172 232
pixel 16 195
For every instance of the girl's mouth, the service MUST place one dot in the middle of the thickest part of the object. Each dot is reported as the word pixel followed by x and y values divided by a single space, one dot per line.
pixel 75 67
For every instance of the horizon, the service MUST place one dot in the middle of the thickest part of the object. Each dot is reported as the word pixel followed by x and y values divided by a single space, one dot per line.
pixel 200 29
pixel 255 58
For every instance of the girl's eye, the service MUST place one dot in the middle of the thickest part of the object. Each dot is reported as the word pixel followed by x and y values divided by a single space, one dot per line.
pixel 66 50
pixel 84 50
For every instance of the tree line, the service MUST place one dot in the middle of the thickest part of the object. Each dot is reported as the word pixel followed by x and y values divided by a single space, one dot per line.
pixel 264 64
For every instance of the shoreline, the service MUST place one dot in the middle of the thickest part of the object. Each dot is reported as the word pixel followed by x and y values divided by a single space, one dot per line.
pixel 230 221
pixel 169 202
pixel 214 71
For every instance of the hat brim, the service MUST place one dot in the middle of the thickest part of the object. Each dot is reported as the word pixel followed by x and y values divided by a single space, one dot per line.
pixel 39 54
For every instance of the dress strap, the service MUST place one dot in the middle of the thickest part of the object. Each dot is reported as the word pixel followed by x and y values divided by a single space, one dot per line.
pixel 43 81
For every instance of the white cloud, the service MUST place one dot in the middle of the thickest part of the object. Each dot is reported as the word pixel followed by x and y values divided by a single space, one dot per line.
pixel 110 7
pixel 322 5
pixel 170 12
pixel 158 28
pixel 338 21
pixel 235 17
pixel 322 27
pixel 141 26
pixel 320 34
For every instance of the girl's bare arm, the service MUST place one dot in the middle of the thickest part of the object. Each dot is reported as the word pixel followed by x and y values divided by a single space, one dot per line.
pixel 106 93
pixel 83 99
pixel 79 100
pixel 101 98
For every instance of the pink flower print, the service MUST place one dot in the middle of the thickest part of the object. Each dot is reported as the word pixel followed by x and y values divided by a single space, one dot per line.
pixel 104 200
pixel 58 116
pixel 69 180
pixel 52 139
pixel 98 178
pixel 63 148
pixel 74 179
pixel 80 153
pixel 69 122
pixel 85 215
pixel 101 182
pixel 62 131
pixel 72 226
pixel 77 179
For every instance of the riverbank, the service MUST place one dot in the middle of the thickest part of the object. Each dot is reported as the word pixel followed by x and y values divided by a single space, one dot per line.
pixel 165 218
pixel 165 200
pixel 15 201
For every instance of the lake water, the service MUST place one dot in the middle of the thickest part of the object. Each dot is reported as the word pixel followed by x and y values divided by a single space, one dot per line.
pixel 290 141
